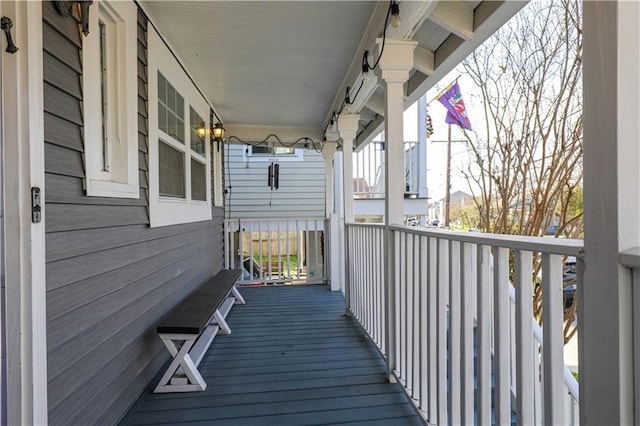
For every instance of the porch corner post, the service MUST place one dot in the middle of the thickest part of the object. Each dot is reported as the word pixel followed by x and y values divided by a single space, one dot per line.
pixel 347 128
pixel 611 217
pixel 395 64
pixel 333 254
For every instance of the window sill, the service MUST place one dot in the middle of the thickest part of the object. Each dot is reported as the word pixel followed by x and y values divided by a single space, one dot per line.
pixel 100 188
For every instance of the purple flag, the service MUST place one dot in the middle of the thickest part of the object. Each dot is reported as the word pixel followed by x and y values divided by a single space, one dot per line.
pixel 452 101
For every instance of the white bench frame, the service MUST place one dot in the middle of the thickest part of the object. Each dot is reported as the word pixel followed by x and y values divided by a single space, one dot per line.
pixel 187 350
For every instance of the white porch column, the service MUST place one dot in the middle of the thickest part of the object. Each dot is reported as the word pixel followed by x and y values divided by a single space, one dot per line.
pixel 348 128
pixel 395 64
pixel 611 215
pixel 332 216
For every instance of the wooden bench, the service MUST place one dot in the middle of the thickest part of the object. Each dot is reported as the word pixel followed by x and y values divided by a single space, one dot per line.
pixel 191 327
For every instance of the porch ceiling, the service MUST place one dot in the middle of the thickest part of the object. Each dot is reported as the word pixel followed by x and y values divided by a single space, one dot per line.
pixel 284 67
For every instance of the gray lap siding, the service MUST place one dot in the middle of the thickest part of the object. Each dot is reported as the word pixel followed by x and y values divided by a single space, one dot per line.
pixel 110 277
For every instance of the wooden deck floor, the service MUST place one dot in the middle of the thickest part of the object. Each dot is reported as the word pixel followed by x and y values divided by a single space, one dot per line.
pixel 292 359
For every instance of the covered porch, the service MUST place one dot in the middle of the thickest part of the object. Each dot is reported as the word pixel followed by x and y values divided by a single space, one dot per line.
pixel 413 326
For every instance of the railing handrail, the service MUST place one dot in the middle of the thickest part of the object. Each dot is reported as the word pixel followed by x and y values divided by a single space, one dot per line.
pixel 568 247
pixel 630 258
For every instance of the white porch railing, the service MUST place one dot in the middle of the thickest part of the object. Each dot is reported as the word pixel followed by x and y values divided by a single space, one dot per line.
pixel 450 329
pixel 289 251
pixel 368 167
pixel 630 259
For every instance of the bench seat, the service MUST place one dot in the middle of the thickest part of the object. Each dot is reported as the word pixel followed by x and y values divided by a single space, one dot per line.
pixel 189 329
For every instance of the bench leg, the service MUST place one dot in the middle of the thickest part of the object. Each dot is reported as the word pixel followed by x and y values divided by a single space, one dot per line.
pixel 222 323
pixel 238 296
pixel 182 359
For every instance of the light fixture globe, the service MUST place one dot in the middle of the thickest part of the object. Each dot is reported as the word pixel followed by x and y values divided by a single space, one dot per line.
pixel 218 132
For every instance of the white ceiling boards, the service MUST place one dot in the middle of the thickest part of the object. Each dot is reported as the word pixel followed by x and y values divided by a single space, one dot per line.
pixel 286 65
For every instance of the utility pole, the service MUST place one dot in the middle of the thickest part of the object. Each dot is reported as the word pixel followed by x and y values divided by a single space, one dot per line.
pixel 447 183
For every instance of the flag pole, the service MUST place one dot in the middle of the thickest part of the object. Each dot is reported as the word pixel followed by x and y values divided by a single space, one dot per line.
pixel 447 87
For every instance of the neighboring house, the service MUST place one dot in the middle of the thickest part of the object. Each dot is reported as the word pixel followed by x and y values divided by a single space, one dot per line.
pixel 297 190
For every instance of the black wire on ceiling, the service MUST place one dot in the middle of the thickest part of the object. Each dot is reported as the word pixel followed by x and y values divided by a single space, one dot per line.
pixel 366 67
pixel 274 137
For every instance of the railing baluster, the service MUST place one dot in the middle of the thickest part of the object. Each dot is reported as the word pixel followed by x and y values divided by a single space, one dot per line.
pixel 415 338
pixel 454 332
pixel 432 315
pixel 501 320
pixel 250 224
pixel 553 338
pixel 409 312
pixel 424 324
pixel 467 280
pixel 299 250
pixel 524 337
pixel 402 307
pixel 443 265
pixel 484 335
pixel 287 243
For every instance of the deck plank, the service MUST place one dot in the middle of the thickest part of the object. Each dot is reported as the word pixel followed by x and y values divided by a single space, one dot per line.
pixel 292 358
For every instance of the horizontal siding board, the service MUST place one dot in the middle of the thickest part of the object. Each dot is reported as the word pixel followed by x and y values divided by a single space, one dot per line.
pixel 66 299
pixel 142 161
pixel 142 126
pixel 62 104
pixel 70 190
pixel 97 345
pixel 63 245
pixel 63 161
pixel 143 180
pixel 61 49
pixel 142 143
pixel 142 52
pixel 67 217
pixel 134 368
pixel 64 25
pixel 64 328
pixel 101 262
pixel 62 132
pixel 142 107
pixel 61 76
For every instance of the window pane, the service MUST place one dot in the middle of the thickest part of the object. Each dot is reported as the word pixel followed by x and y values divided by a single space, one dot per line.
pixel 273 150
pixel 171 171
pixel 198 181
pixel 197 137
pixel 169 100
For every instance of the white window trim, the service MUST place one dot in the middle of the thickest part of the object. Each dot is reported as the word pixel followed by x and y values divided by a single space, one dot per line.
pixel 218 187
pixel 168 210
pixel 123 148
pixel 269 158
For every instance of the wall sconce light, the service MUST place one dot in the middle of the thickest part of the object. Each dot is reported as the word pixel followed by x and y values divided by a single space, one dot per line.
pixel 218 132
pixel 63 7
pixel 201 131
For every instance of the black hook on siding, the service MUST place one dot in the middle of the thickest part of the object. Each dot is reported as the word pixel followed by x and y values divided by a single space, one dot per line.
pixel 6 24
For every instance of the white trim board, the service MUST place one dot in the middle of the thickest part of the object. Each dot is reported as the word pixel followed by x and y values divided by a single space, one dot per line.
pixel 23 136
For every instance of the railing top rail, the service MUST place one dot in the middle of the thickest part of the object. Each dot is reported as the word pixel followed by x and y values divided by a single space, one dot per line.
pixel 275 219
pixel 364 225
pixel 537 244
pixel 630 258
